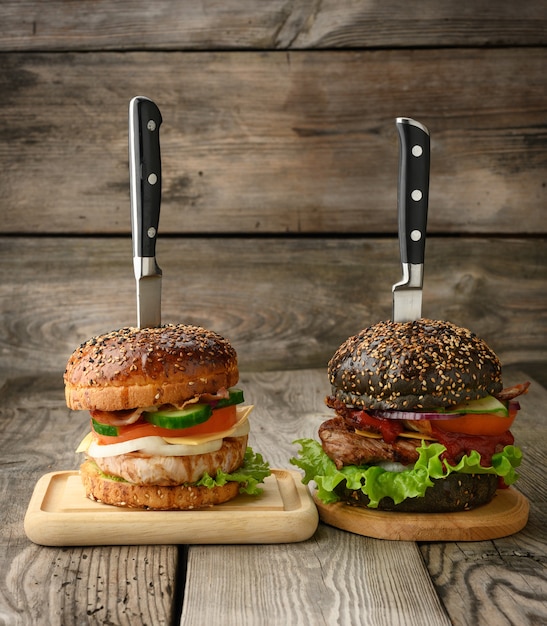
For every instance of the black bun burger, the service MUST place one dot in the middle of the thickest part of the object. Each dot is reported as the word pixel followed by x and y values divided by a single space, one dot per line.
pixel 422 421
pixel 168 427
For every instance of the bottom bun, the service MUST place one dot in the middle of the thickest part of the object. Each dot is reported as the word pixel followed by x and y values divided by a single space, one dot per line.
pixel 164 498
pixel 456 492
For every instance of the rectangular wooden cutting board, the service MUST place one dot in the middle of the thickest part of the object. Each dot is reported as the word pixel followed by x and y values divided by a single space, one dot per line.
pixel 59 514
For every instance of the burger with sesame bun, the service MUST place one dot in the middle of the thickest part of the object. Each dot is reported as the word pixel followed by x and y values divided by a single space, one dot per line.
pixel 169 428
pixel 422 421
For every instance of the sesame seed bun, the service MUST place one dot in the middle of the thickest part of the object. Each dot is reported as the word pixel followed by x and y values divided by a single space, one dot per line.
pixel 416 365
pixel 142 367
pixel 141 481
pixel 158 498
pixel 401 459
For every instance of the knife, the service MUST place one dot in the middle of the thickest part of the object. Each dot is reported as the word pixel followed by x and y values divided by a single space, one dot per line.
pixel 145 194
pixel 412 201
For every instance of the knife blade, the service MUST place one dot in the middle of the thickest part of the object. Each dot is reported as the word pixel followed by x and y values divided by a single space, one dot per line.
pixel 145 195
pixel 412 202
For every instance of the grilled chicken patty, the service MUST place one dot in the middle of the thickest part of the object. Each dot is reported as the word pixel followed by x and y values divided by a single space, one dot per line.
pixel 143 469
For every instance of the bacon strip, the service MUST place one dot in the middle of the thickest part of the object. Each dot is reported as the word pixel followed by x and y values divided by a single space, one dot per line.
pixel 130 416
pixel 117 418
pixel 513 392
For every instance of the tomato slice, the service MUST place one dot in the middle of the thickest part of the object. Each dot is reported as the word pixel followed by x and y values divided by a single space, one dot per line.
pixel 477 423
pixel 220 420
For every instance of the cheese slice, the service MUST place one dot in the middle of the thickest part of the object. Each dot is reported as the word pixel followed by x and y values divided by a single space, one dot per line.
pixel 240 428
pixel 153 445
pixel 85 443
pixel 201 443
pixel 365 433
pixel 409 434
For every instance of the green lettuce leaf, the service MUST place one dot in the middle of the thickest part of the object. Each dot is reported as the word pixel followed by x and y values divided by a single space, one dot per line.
pixel 253 471
pixel 377 483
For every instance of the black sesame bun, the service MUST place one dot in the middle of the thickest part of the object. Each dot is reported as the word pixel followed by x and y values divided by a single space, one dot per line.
pixel 143 367
pixel 421 421
pixel 456 492
pixel 423 364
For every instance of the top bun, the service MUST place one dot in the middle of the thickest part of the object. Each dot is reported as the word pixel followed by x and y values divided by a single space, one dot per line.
pixel 424 364
pixel 140 367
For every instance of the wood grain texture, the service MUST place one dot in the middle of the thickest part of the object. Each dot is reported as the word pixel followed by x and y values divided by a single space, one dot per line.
pixel 118 585
pixel 324 580
pixel 276 24
pixel 275 142
pixel 503 581
pixel 507 514
pixel 283 303
pixel 59 514
pixel 115 585
pixel 278 119
pixel 334 578
pixel 335 573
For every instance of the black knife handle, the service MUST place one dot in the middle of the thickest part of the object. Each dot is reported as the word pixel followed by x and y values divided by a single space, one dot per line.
pixel 413 190
pixel 145 122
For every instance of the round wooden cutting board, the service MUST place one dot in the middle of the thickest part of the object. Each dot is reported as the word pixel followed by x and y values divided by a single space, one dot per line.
pixel 505 515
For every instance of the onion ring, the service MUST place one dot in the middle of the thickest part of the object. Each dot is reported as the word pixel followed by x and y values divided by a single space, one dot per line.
pixel 426 415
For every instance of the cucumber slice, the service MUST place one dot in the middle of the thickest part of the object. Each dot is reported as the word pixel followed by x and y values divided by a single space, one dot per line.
pixel 235 397
pixel 489 404
pixel 105 429
pixel 180 418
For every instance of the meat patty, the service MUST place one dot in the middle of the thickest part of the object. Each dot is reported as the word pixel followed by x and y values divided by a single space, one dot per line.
pixel 144 469
pixel 345 447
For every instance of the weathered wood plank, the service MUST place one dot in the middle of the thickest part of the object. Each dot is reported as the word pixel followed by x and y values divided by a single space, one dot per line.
pixel 275 142
pixel 106 585
pixel 282 302
pixel 278 24
pixel 121 585
pixel 503 581
pixel 38 585
pixel 333 578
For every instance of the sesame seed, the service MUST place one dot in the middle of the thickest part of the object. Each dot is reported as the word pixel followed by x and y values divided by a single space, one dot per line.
pixel 429 363
pixel 163 351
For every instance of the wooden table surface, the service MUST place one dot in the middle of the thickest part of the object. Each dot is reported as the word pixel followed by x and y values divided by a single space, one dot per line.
pixel 335 577
pixel 279 193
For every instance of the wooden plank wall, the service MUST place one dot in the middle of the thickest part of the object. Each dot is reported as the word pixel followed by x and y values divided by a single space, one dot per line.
pixel 279 149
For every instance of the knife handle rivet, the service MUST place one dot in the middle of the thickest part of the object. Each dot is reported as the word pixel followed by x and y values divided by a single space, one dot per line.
pixel 417 151
pixel 415 235
pixel 416 195
pixel 151 232
pixel 151 125
pixel 152 179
